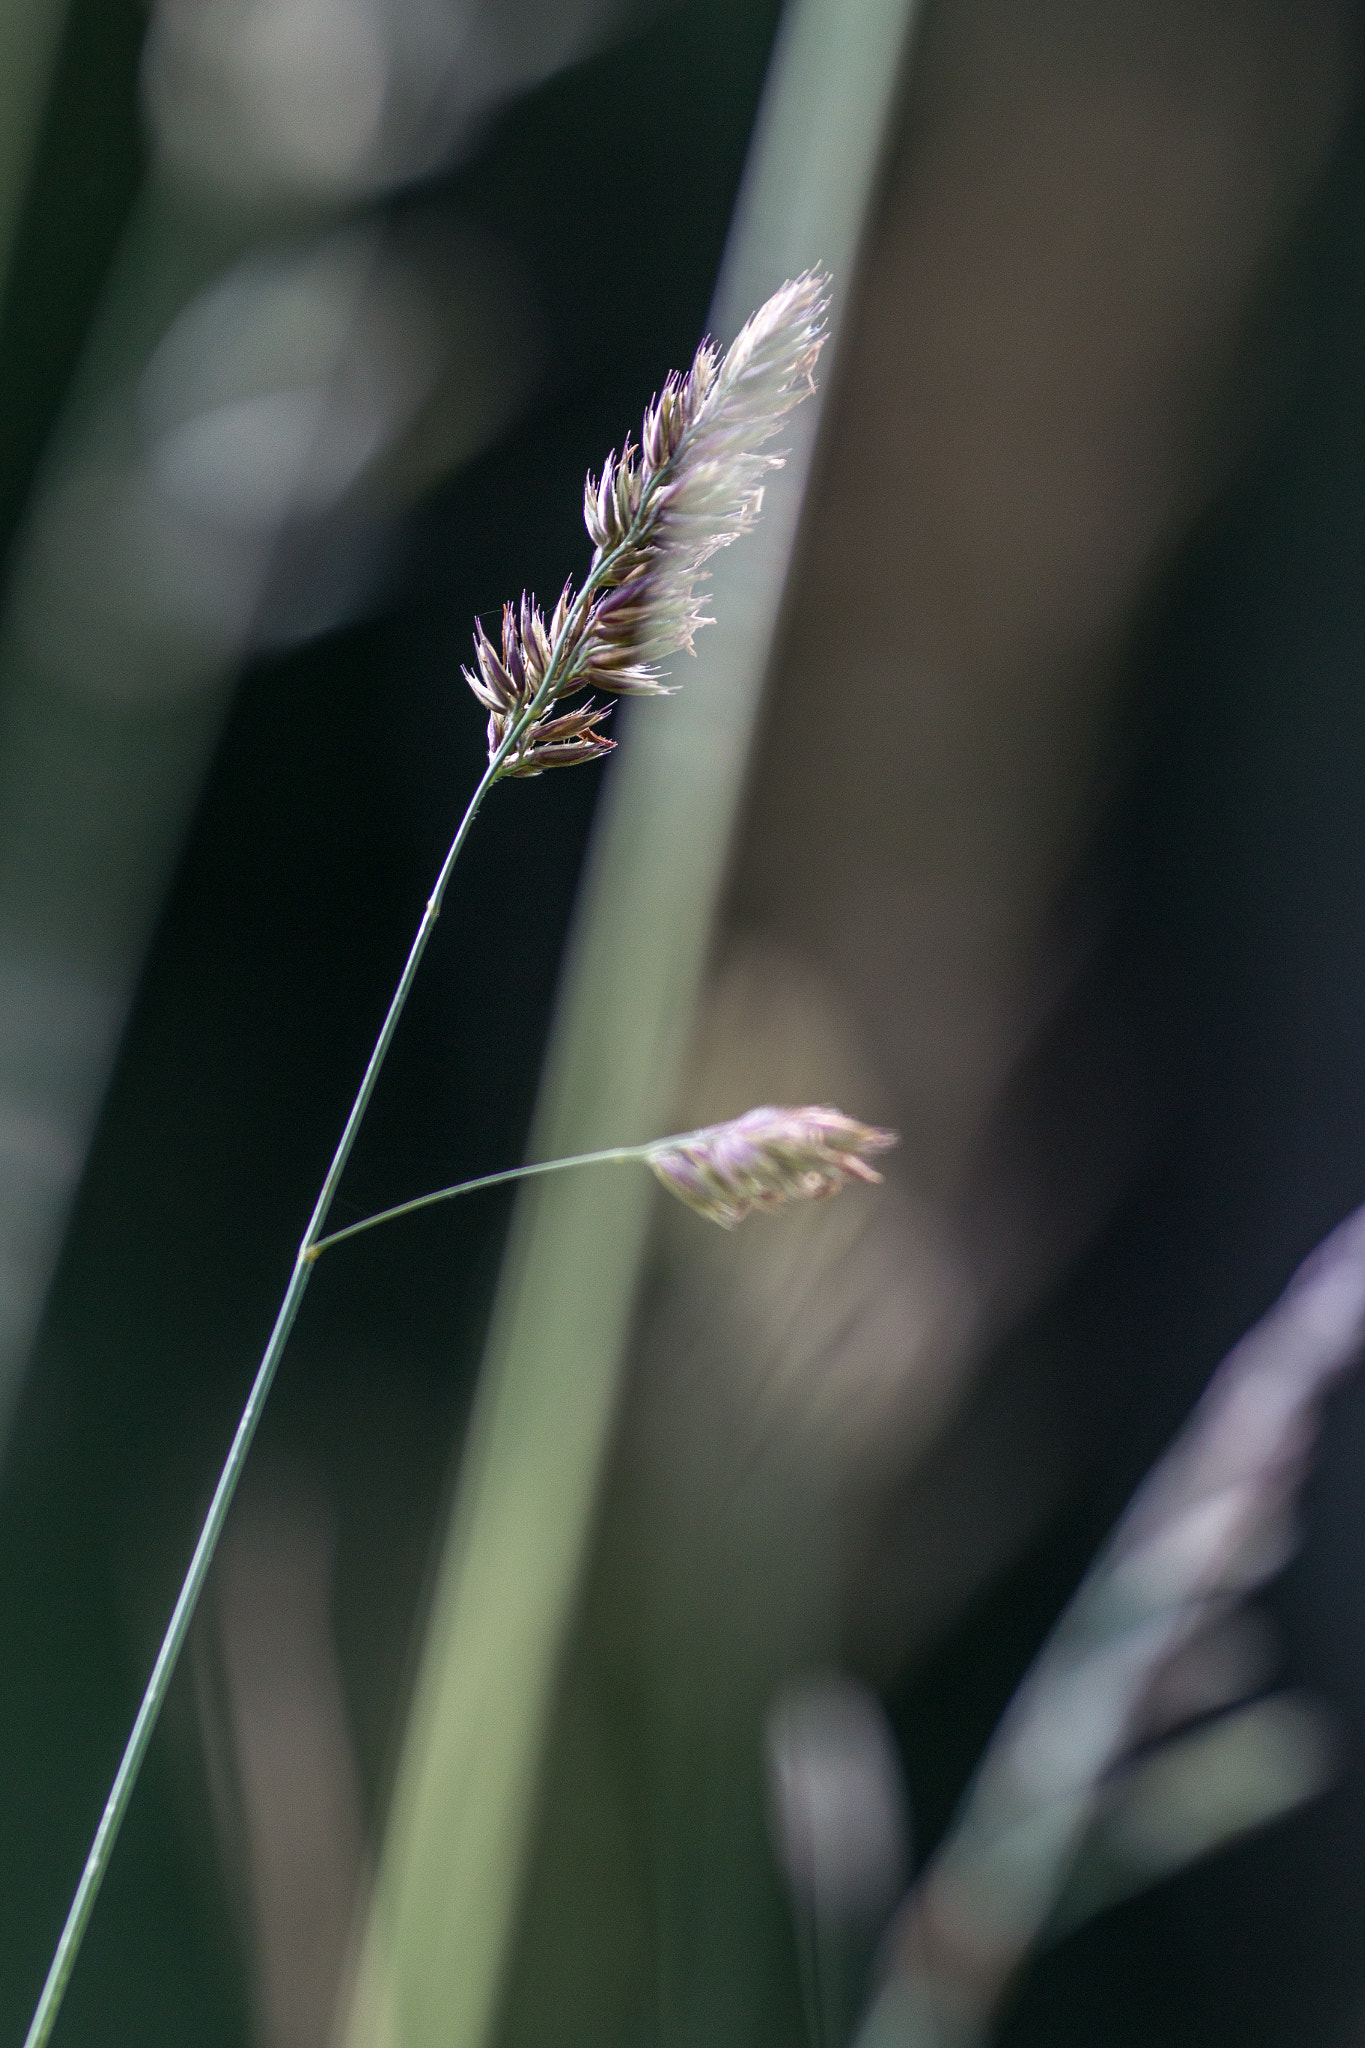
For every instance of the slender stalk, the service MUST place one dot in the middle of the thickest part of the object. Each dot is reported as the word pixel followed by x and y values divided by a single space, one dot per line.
pixel 567 673
pixel 173 1642
pixel 116 1805
pixel 618 1155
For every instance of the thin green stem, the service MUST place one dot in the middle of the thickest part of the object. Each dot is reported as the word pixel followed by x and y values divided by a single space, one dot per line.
pixel 173 1642
pixel 617 1155
pixel 116 1805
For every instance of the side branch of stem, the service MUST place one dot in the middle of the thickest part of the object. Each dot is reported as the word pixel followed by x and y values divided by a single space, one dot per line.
pixel 617 1155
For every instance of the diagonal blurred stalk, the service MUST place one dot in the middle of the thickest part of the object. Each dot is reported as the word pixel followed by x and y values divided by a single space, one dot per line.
pixel 1207 1527
pixel 97 778
pixel 30 37
pixel 436 1946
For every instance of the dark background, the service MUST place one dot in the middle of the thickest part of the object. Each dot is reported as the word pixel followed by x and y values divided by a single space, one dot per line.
pixel 1238 847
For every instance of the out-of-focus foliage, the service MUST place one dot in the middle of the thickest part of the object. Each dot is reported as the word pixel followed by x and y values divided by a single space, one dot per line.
pixel 1050 854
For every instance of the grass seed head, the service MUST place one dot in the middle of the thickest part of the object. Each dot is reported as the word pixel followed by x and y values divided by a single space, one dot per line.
pixel 767 1158
pixel 657 513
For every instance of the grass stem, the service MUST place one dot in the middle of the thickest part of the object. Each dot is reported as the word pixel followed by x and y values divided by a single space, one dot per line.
pixel 173 1642
pixel 617 1155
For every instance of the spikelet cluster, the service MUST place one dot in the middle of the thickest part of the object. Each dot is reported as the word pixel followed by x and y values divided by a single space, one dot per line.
pixel 507 682
pixel 655 516
pixel 767 1158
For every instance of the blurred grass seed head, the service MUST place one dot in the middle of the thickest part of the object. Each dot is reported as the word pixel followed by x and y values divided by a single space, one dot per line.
pixel 767 1158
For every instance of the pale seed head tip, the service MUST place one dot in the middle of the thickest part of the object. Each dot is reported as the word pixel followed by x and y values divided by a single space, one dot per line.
pixel 659 510
pixel 767 1158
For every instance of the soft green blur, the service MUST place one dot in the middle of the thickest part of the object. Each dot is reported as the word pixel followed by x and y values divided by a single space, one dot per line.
pixel 448 1887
